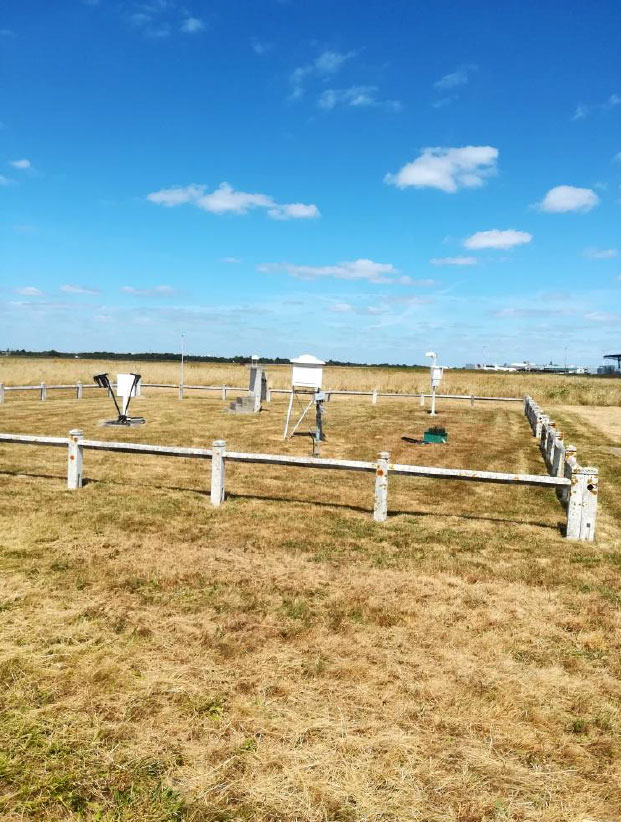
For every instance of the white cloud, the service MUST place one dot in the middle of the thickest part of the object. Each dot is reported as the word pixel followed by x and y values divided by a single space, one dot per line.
pixel 583 110
pixel 5 181
pixel 600 253
pixel 156 291
pixel 603 317
pixel 7 33
pixel 29 291
pixel 355 97
pixel 230 260
pixel 562 199
pixel 447 169
pixel 225 200
pixel 453 261
pixel 78 289
pixel 497 239
pixel 260 47
pixel 326 64
pixel 192 25
pixel 340 308
pixel 361 269
pixel 21 164
pixel 459 77
pixel 617 157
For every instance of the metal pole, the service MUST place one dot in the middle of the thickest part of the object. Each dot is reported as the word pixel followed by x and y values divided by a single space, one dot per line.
pixel 181 383
pixel 433 403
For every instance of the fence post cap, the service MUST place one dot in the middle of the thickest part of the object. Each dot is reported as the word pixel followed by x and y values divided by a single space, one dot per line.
pixel 76 432
pixel 219 443
pixel 571 448
pixel 384 455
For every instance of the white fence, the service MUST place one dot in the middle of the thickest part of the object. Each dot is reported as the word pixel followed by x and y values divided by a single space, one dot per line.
pixel 573 484
pixel 223 390
pixel 561 461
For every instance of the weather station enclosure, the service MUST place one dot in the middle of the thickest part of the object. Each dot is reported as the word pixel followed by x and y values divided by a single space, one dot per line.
pixel 307 378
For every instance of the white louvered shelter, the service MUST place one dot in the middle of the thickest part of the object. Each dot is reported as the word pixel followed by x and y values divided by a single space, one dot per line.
pixel 307 372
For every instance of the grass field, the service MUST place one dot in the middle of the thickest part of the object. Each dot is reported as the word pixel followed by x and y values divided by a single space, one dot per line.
pixel 548 389
pixel 284 657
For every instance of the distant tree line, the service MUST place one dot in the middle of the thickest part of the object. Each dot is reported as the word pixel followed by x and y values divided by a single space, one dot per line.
pixel 150 356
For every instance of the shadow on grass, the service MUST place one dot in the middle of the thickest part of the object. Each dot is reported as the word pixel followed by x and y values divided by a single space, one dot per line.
pixel 560 526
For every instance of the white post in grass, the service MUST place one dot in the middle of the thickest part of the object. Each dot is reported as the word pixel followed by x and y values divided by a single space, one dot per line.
pixel 218 470
pixel 1 393
pixel 78 391
pixel 471 400
pixel 268 394
pixel 380 509
pixel 74 459
pixel 374 397
pixel 582 504
pixel 180 390
pixel 43 391
pixel 422 400
pixel 224 393
pixel 589 503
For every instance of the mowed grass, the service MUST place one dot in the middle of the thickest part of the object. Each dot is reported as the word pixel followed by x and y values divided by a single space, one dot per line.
pixel 284 657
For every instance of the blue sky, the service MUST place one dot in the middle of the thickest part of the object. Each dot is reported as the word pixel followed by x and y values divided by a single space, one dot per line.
pixel 362 181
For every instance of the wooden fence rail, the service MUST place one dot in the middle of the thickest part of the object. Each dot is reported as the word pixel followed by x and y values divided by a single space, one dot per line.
pixel 572 485
pixel 375 394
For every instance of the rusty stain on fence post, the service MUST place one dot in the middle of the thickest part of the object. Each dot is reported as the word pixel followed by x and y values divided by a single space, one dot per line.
pixel 380 509
pixel 218 470
pixel 74 459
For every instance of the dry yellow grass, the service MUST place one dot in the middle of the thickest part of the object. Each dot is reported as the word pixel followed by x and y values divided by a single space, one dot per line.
pixel 547 389
pixel 285 658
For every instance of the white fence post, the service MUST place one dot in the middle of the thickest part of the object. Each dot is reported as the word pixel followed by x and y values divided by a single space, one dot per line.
pixel 224 393
pixel 43 391
pixel 539 425
pixel 74 459
pixel 374 397
pixel 268 394
pixel 471 400
pixel 78 391
pixel 582 504
pixel 380 509
pixel 422 400
pixel 589 503
pixel 180 391
pixel 1 393
pixel 218 470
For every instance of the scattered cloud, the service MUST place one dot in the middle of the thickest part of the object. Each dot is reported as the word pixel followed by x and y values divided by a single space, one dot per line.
pixel 562 199
pixel 225 200
pixel 192 25
pixel 583 110
pixel 355 97
pixel 29 291
pixel 617 157
pixel 600 253
pixel 524 312
pixel 22 165
pixel 453 261
pixel 327 64
pixel 497 239
pixel 459 77
pixel 156 291
pixel 7 33
pixel 78 289
pixel 604 317
pixel 361 269
pixel 230 260
pixel 340 308
pixel 447 169
pixel 260 47
pixel 5 181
